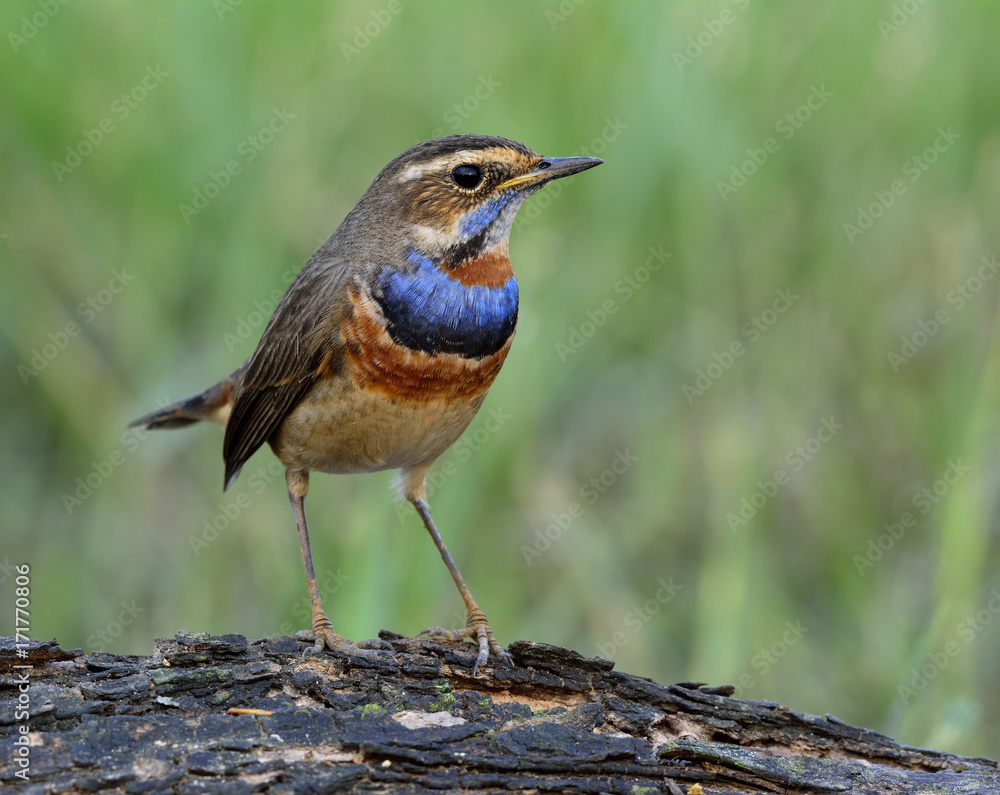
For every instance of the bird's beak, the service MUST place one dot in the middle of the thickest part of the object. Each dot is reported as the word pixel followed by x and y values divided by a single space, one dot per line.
pixel 552 168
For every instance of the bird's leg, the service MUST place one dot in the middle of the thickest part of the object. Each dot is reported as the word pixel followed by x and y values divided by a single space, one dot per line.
pixel 322 630
pixel 477 627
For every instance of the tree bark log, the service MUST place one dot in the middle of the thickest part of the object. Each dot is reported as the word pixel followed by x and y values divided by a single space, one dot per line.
pixel 206 714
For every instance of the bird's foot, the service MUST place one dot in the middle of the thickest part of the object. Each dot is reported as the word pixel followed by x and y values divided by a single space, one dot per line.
pixel 324 637
pixel 478 630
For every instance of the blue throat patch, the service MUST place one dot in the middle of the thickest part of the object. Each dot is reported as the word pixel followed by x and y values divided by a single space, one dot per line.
pixel 479 220
pixel 428 310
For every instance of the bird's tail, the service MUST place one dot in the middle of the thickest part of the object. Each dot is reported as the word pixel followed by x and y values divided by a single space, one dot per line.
pixel 214 405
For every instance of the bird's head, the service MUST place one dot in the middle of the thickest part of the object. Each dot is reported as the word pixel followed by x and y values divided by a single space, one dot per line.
pixel 456 196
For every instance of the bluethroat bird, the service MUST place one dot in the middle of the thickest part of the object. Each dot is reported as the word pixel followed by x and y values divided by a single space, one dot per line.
pixel 386 343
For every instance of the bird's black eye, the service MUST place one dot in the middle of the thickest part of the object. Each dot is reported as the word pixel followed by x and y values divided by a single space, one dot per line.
pixel 467 176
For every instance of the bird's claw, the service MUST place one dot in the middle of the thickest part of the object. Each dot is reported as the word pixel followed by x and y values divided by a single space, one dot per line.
pixel 477 630
pixel 326 638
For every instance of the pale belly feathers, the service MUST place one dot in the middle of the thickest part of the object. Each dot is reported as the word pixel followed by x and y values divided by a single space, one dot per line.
pixel 339 428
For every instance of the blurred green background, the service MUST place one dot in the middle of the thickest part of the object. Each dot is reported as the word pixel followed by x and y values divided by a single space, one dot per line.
pixel 747 343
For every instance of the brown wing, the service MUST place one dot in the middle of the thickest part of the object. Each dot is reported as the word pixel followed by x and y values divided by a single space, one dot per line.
pixel 301 340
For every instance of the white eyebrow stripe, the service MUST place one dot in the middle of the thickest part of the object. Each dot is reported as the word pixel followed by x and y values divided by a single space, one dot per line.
pixel 417 170
pixel 413 172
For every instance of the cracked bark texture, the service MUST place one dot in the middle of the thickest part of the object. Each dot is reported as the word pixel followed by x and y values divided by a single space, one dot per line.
pixel 177 721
